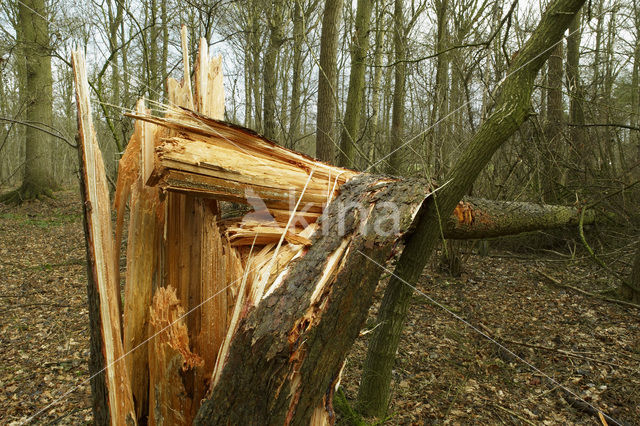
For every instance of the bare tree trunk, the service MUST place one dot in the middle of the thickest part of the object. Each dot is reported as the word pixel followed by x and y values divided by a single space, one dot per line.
pixel 440 109
pixel 327 81
pixel 275 18
pixel 298 35
pixel 610 159
pixel 115 22
pixel 513 106
pixel 553 131
pixel 37 96
pixel 152 43
pixel 397 119
pixel 635 84
pixel 255 47
pixel 580 156
pixel 374 126
pixel 359 48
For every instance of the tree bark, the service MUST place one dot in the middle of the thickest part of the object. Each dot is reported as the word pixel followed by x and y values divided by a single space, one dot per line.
pixel 327 81
pixel 376 85
pixel 298 35
pixel 576 95
pixel 275 17
pixel 286 355
pixel 512 108
pixel 440 109
pixel 359 48
pixel 552 144
pixel 397 118
pixel 37 96
pixel 635 85
pixel 477 218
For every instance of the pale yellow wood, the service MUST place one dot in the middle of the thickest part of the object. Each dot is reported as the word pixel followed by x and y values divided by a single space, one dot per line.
pixel 186 79
pixel 101 246
pixel 170 358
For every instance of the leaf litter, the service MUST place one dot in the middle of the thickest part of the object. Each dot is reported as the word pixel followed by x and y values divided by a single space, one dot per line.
pixel 445 372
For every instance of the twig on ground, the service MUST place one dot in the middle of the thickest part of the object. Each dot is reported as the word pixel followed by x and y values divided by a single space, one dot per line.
pixel 551 349
pixel 587 293
pixel 513 413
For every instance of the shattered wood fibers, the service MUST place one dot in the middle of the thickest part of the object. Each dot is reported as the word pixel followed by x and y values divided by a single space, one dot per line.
pixel 191 277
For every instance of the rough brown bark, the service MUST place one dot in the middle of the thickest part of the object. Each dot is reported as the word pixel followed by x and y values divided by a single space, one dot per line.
pixel 37 96
pixel 285 358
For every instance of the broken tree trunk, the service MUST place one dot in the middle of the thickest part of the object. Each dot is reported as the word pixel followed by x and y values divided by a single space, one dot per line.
pixel 284 361
pixel 246 319
pixel 195 283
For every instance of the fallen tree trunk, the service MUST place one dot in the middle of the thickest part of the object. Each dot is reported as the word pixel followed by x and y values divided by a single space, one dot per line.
pixel 475 218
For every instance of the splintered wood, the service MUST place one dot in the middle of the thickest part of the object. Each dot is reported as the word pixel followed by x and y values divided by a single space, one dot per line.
pixel 115 396
pixel 191 276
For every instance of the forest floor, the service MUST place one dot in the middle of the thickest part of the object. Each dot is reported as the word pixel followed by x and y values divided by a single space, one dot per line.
pixel 446 371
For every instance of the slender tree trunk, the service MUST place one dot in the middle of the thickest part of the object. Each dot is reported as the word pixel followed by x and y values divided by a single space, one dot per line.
pixel 374 127
pixel 275 17
pixel 125 63
pixel 255 48
pixel 327 81
pixel 513 105
pixel 440 109
pixel 576 95
pixel 115 19
pixel 248 81
pixel 359 49
pixel 611 159
pixel 298 35
pixel 165 47
pixel 553 131
pixel 154 65
pixel 397 118
pixel 635 85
